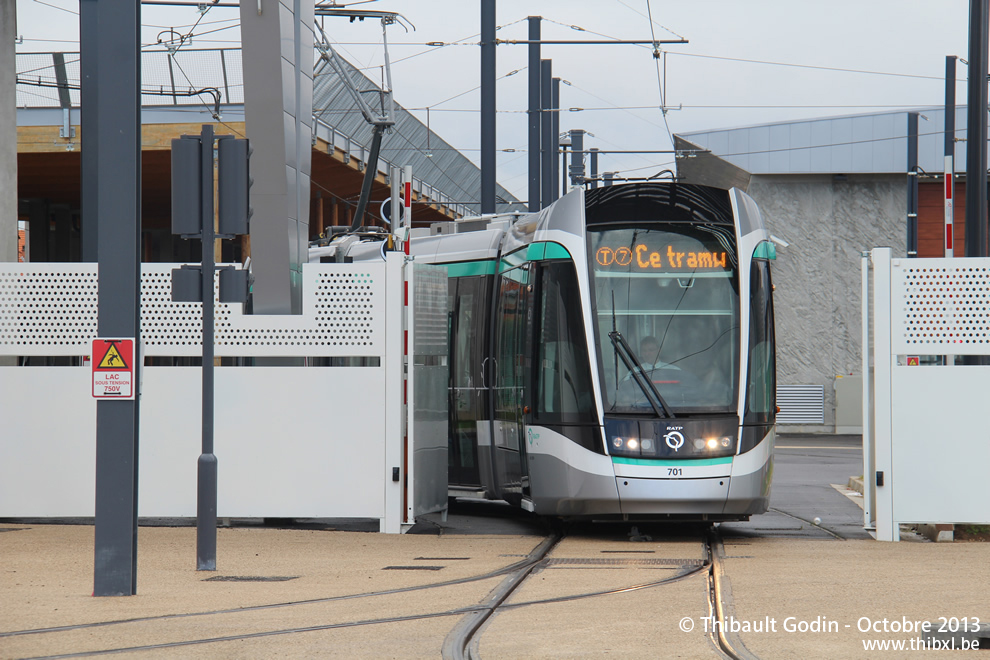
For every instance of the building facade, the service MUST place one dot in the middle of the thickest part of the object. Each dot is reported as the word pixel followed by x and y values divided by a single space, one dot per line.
pixel 831 189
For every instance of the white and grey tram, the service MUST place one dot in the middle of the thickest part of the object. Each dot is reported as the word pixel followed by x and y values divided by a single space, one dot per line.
pixel 612 356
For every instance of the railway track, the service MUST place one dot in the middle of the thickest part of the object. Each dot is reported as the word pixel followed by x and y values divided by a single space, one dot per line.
pixel 563 575
pixel 463 642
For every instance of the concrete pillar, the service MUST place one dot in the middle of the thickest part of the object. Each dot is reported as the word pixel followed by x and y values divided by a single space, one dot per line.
pixel 8 132
pixel 278 113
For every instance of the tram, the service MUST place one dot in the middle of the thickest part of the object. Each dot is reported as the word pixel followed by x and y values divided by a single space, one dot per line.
pixel 612 356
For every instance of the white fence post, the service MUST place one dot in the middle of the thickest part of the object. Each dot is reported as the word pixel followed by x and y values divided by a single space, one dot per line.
pixel 394 422
pixel 869 456
pixel 887 530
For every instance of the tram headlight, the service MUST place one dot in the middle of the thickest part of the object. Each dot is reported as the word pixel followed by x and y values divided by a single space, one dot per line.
pixel 671 439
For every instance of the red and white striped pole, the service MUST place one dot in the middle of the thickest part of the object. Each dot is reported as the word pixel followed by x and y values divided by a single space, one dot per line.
pixel 407 201
pixel 948 192
pixel 404 231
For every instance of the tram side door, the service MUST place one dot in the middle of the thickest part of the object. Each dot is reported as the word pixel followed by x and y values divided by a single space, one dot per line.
pixel 469 459
pixel 513 328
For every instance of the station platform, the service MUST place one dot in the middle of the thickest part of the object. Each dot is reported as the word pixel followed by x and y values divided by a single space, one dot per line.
pixel 327 589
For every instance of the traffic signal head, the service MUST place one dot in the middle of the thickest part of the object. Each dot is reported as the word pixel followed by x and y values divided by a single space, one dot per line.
pixel 233 186
pixel 187 186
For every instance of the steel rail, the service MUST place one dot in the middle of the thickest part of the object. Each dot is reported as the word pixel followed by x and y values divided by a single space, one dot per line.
pixel 720 597
pixel 456 646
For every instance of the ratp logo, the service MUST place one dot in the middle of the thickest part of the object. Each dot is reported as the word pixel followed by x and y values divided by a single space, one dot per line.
pixel 674 440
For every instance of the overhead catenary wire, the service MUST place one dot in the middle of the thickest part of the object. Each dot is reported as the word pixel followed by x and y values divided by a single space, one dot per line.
pixel 48 4
pixel 652 22
pixel 664 99
pixel 811 66
pixel 660 81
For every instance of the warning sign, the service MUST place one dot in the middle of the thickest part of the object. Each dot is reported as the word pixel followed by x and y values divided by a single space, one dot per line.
pixel 112 359
pixel 113 368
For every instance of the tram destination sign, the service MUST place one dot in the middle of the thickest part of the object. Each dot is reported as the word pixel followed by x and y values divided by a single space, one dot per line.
pixel 667 258
pixel 113 368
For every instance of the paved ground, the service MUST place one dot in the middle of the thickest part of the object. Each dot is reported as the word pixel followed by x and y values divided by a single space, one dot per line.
pixel 606 591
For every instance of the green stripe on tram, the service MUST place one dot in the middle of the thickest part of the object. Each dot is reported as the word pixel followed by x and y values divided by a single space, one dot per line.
pixel 469 268
pixel 510 261
pixel 556 251
pixel 536 251
pixel 765 250
pixel 546 250
pixel 686 462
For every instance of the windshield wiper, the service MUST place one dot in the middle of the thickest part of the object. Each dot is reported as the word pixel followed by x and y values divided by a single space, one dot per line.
pixel 632 363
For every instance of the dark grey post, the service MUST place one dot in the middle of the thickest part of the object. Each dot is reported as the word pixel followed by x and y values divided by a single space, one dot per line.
pixel 912 184
pixel 563 158
pixel 555 132
pixel 594 167
pixel 534 114
pixel 577 156
pixel 950 106
pixel 608 178
pixel 370 171
pixel 488 106
pixel 116 51
pixel 88 100
pixel 206 500
pixel 548 154
pixel 976 132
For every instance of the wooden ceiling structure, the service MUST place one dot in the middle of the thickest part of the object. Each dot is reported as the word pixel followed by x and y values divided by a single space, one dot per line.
pixel 48 170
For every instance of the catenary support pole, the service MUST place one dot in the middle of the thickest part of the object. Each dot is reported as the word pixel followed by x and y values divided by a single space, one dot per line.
pixel 488 106
pixel 555 131
pixel 563 160
pixel 976 132
pixel 577 156
pixel 594 167
pixel 534 114
pixel 88 99
pixel 949 150
pixel 548 155
pixel 912 184
pixel 110 41
pixel 371 169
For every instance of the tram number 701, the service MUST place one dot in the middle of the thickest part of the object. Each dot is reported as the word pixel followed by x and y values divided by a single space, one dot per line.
pixel 675 472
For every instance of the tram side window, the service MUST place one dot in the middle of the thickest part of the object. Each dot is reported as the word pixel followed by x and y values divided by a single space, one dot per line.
pixel 514 318
pixel 761 390
pixel 468 302
pixel 564 391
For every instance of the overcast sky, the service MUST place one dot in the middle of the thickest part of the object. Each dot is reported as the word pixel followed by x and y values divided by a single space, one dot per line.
pixel 748 62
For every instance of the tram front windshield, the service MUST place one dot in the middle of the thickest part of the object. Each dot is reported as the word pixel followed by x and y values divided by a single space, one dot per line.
pixel 670 293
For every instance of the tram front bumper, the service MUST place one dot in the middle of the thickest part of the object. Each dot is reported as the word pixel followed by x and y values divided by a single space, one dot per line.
pixel 672 496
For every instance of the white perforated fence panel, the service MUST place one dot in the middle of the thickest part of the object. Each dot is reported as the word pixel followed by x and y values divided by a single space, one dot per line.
pixel 51 309
pixel 48 309
pixel 940 306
